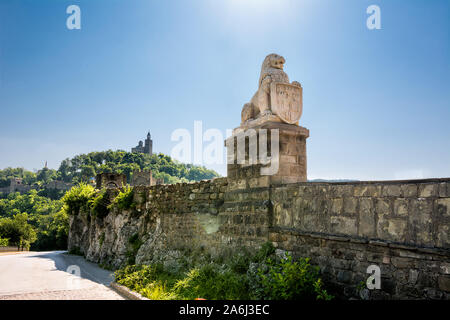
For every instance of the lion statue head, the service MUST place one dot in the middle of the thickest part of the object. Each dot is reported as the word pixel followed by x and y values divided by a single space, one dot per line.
pixel 273 65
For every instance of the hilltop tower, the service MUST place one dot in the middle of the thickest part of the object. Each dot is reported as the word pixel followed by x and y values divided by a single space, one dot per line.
pixel 146 148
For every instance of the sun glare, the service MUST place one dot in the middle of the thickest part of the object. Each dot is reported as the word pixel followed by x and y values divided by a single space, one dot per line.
pixel 247 16
pixel 257 5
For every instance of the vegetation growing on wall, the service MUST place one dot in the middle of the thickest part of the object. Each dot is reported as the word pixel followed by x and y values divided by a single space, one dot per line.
pixel 99 204
pixel 124 200
pixel 96 203
pixel 134 243
pixel 78 198
pixel 240 275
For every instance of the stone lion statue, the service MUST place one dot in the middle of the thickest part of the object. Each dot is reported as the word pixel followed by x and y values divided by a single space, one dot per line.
pixel 271 70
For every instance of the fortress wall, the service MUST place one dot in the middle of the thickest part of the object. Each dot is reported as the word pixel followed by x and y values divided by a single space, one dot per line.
pixel 415 213
pixel 403 227
pixel 169 219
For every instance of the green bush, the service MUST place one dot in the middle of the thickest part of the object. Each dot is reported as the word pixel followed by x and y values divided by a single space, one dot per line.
pixel 4 242
pixel 152 281
pixel 78 198
pixel 291 280
pixel 239 275
pixel 17 229
pixel 99 204
pixel 124 199
pixel 212 283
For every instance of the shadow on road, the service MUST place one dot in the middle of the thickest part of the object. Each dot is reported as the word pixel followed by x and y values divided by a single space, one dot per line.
pixel 73 264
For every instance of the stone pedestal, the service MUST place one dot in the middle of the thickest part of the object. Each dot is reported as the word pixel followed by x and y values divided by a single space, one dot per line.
pixel 291 151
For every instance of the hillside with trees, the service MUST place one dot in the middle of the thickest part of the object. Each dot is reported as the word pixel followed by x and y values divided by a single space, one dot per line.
pixel 82 167
pixel 38 219
pixel 32 220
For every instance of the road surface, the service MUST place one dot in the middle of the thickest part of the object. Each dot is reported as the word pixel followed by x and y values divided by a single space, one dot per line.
pixel 45 276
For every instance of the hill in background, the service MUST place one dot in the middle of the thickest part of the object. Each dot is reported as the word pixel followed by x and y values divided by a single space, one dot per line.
pixel 83 167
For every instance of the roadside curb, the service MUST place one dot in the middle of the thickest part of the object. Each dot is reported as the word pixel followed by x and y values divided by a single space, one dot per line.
pixel 124 291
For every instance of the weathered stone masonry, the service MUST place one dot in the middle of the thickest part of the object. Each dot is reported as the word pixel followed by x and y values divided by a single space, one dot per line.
pixel 401 226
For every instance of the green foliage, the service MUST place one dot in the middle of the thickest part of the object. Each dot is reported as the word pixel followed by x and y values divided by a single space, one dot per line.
pixel 48 209
pixel 79 197
pixel 4 242
pixel 102 239
pixel 31 203
pixel 7 174
pixel 267 250
pixel 52 194
pixel 18 231
pixel 239 275
pixel 286 279
pixel 210 282
pixel 134 243
pixel 124 199
pixel 46 175
pixel 99 204
pixel 53 230
pixel 44 215
pixel 85 166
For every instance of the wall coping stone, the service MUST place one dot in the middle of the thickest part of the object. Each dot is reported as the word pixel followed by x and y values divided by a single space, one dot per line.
pixel 371 182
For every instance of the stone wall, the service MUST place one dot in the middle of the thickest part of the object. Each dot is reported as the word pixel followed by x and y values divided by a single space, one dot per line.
pixel 415 213
pixel 403 227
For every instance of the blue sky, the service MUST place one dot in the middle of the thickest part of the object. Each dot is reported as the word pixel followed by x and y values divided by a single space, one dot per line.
pixel 377 102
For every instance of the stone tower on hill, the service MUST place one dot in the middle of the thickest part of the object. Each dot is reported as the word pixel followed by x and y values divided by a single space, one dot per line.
pixel 147 148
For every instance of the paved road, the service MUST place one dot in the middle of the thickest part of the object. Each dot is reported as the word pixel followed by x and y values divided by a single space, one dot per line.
pixel 45 276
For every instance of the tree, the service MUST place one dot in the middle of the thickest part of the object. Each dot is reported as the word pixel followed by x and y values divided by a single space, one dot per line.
pixel 45 175
pixel 87 172
pixel 18 231
pixel 7 174
pixel 81 167
pixel 43 215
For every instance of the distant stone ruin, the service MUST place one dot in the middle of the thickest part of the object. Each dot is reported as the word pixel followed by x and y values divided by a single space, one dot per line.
pixel 144 178
pixel 110 180
pixel 119 180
